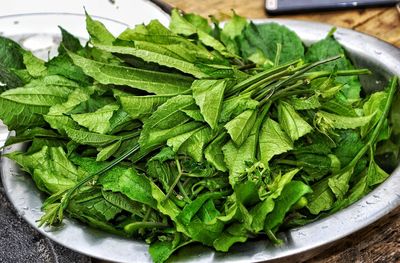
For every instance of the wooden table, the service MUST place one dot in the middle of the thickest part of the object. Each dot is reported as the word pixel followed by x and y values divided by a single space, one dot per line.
pixel 379 242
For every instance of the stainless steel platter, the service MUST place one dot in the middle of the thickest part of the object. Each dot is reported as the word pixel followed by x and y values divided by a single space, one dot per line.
pixel 365 51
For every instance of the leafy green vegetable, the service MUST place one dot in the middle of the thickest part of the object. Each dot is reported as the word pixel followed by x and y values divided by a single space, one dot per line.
pixel 196 133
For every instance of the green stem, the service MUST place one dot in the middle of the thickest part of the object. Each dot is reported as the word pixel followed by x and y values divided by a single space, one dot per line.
pixel 131 228
pixel 66 198
pixel 253 79
pixel 178 177
pixel 267 81
pixel 340 73
pixel 278 53
pixel 294 76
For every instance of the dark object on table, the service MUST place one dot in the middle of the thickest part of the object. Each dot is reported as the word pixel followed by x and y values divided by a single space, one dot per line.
pixel 277 7
pixel 21 243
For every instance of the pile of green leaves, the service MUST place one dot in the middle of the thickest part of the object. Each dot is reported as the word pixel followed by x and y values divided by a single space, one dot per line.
pixel 197 133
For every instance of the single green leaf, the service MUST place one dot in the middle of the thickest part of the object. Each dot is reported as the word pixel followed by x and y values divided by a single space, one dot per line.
pixel 233 29
pixel 68 42
pixel 309 103
pixel 321 199
pixel 237 159
pixel 214 155
pixel 339 184
pixel 233 234
pixel 291 193
pixel 176 142
pixel 191 209
pixel 90 138
pixel 98 32
pixel 195 114
pixel 236 105
pixel 273 141
pixel 92 203
pixel 375 105
pixel 161 251
pixel 44 96
pixel 35 66
pixel 149 53
pixel 240 127
pixel 11 54
pixel 123 202
pixel 30 134
pixel 108 151
pixel 291 122
pixel 150 81
pixel 209 95
pixel 375 174
pixel 328 121
pixel 129 182
pixel 260 212
pixel 167 121
pixel 141 106
pixel 180 25
pixel 62 65
pixel 98 121
pixel 195 144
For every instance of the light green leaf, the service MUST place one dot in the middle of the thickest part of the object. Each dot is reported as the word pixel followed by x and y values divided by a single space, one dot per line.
pixel 177 141
pixel 169 114
pixel 321 199
pixel 180 25
pixel 156 137
pixel 129 182
pixel 339 184
pixel 51 169
pixel 326 119
pixel 259 213
pixel 273 141
pixel 151 81
pixel 238 158
pixel 309 103
pixel 291 193
pixel 34 65
pixel 167 121
pixel 141 106
pixel 159 56
pixel 19 115
pixel 42 95
pixel 291 122
pixel 374 105
pixel 208 95
pixel 90 138
pixel 123 202
pixel 240 127
pixel 98 121
pixel 98 32
pixel 234 106
pixel 195 114
pixel 195 144
pixel 375 174
pixel 108 151
pixel 234 26
pixel 214 155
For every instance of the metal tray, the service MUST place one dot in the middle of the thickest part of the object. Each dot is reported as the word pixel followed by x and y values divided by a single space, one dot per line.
pixel 365 51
